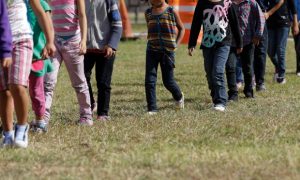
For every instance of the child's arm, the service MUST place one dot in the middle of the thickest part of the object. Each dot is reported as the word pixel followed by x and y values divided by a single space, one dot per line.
pixel 46 25
pixel 293 11
pixel 235 27
pixel 196 26
pixel 180 28
pixel 273 9
pixel 83 25
pixel 260 23
pixel 116 27
pixel 5 37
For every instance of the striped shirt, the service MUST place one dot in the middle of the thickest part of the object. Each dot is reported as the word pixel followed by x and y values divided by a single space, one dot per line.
pixel 65 17
pixel 161 30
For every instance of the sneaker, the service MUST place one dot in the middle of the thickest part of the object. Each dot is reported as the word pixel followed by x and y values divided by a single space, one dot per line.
pixel 298 74
pixel 85 122
pixel 239 85
pixel 260 87
pixel 219 107
pixel 94 107
pixel 233 98
pixel 103 118
pixel 151 113
pixel 40 127
pixel 180 104
pixel 249 94
pixel 7 142
pixel 281 80
pixel 21 136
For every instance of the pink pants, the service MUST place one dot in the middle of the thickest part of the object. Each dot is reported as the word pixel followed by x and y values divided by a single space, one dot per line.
pixel 37 95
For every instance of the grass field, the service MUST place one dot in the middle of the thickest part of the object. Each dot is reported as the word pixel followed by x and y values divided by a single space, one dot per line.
pixel 254 139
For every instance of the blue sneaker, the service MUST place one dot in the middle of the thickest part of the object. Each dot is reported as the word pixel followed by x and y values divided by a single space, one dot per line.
pixel 39 126
pixel 7 142
pixel 21 136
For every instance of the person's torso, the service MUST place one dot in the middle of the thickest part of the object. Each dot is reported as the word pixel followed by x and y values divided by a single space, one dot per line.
pixel 17 14
pixel 216 28
pixel 281 17
pixel 161 30
pixel 39 39
pixel 65 17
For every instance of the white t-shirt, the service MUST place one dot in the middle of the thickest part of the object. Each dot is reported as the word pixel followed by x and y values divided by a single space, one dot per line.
pixel 17 15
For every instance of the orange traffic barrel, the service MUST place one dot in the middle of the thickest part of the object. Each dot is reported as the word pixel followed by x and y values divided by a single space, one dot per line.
pixel 186 9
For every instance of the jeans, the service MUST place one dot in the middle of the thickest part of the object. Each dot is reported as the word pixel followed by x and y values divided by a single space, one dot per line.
pixel 297 49
pixel 230 72
pixel 214 64
pixel 104 70
pixel 239 71
pixel 247 56
pixel 166 61
pixel 276 48
pixel 68 51
pixel 260 55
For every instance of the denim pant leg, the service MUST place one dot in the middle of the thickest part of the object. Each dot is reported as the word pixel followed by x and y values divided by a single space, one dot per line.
pixel 89 63
pixel 104 70
pixel 230 72
pixel 239 71
pixel 283 34
pixel 167 70
pixel 272 53
pixel 75 67
pixel 247 65
pixel 260 56
pixel 219 56
pixel 297 49
pixel 152 61
pixel 208 66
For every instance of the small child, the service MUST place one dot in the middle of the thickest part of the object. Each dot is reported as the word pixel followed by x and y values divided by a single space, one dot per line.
pixel 70 26
pixel 13 93
pixel 162 21
pixel 40 66
pixel 104 34
pixel 297 40
pixel 252 22
pixel 219 21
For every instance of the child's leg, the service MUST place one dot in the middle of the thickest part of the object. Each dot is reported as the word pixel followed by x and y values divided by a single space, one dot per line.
pixel 89 62
pixel 297 49
pixel 167 70
pixel 208 55
pixel 18 78
pixel 152 61
pixel 231 74
pixel 272 40
pixel 75 66
pixel 50 80
pixel 218 79
pixel 104 70
pixel 37 95
pixel 283 33
pixel 247 65
pixel 6 105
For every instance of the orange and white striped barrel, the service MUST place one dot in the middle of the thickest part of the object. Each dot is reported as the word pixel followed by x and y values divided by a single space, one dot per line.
pixel 186 9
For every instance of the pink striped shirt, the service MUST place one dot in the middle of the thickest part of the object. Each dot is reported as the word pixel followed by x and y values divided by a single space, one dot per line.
pixel 65 17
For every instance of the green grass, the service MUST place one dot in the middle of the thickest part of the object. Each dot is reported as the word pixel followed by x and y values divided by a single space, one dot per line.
pixel 254 139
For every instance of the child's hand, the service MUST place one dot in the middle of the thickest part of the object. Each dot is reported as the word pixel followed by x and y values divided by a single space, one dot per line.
pixel 191 50
pixel 239 50
pixel 255 41
pixel 267 15
pixel 82 46
pixel 48 51
pixel 109 51
pixel 295 30
pixel 6 62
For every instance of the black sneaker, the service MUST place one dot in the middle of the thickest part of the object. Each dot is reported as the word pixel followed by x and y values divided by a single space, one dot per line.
pixel 233 98
pixel 281 80
pixel 249 94
pixel 260 87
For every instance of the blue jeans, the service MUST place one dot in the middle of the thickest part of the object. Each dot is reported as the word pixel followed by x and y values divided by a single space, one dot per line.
pixel 239 71
pixel 276 48
pixel 214 64
pixel 166 61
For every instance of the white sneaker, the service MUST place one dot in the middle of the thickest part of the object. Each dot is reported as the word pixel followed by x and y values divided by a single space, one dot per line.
pixel 21 137
pixel 298 74
pixel 7 142
pixel 180 104
pixel 151 113
pixel 219 107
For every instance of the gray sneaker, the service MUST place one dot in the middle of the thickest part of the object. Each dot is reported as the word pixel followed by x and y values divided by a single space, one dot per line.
pixel 180 104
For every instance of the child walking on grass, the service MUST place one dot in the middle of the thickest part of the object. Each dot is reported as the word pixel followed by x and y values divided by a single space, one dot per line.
pixel 40 66
pixel 104 34
pixel 162 21
pixel 219 21
pixel 13 85
pixel 70 26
